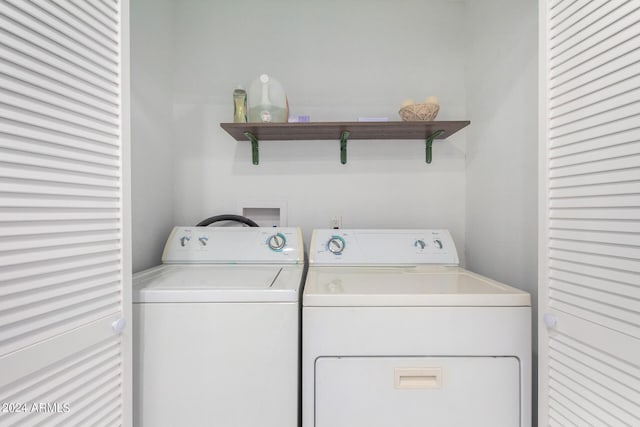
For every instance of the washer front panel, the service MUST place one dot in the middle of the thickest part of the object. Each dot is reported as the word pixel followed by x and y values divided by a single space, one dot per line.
pixel 422 391
pixel 439 332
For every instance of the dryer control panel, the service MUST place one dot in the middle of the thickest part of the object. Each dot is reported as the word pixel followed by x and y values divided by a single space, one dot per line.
pixel 231 245
pixel 382 247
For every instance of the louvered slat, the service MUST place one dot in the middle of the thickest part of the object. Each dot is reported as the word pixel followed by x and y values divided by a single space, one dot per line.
pixel 110 4
pixel 616 59
pixel 559 7
pixel 590 146
pixel 57 240
pixel 106 12
pixel 557 419
pixel 44 201
pixel 12 34
pixel 41 148
pixel 67 279
pixel 19 193
pixel 82 42
pixel 46 109
pixel 599 131
pixel 627 239
pixel 587 176
pixel 17 257
pixel 54 85
pixel 71 315
pixel 594 100
pixel 96 17
pixel 30 27
pixel 604 389
pixel 599 260
pixel 81 29
pixel 79 381
pixel 26 130
pixel 55 266
pixel 597 412
pixel 22 115
pixel 594 35
pixel 565 25
pixel 621 161
pixel 84 13
pixel 590 217
pixel 12 86
pixel 590 270
pixel 9 229
pixel 59 163
pixel 595 189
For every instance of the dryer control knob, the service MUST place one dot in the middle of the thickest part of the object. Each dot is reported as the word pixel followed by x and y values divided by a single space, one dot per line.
pixel 419 244
pixel 277 242
pixel 184 240
pixel 438 243
pixel 336 245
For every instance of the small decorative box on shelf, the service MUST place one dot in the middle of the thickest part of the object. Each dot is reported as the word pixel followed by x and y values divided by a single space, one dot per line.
pixel 342 131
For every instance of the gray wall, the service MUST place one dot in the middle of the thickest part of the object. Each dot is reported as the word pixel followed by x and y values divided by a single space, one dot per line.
pixel 337 61
pixel 502 151
pixel 151 129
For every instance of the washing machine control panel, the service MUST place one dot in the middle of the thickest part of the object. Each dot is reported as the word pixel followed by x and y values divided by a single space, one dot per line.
pixel 210 245
pixel 382 247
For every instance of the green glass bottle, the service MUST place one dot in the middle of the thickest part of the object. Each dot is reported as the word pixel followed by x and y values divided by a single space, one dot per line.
pixel 239 105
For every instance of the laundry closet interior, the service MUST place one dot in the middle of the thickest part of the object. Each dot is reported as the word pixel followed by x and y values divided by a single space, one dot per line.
pixel 339 61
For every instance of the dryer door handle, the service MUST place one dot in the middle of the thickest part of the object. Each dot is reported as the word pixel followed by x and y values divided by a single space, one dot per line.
pixel 418 378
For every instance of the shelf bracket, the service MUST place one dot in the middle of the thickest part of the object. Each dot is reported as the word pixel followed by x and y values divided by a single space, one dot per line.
pixel 255 155
pixel 429 143
pixel 343 146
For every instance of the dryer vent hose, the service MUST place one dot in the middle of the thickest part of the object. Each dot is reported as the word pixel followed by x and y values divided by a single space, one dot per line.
pixel 218 218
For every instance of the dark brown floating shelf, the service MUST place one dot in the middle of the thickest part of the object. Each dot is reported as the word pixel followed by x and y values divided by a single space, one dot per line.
pixel 342 131
pixel 333 130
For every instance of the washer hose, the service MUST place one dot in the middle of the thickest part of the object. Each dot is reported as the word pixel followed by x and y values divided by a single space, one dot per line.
pixel 236 218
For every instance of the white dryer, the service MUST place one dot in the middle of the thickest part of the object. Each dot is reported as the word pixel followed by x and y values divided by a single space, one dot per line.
pixel 396 334
pixel 217 329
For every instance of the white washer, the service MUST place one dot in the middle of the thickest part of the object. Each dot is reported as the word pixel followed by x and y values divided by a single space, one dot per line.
pixel 396 334
pixel 217 329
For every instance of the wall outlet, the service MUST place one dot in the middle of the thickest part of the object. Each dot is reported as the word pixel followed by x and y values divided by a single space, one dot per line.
pixel 336 222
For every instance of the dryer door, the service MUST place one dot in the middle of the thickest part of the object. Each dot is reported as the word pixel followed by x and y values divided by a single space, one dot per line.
pixel 417 391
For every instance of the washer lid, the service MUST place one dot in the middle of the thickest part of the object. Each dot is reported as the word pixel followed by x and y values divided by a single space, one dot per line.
pixel 217 283
pixel 423 286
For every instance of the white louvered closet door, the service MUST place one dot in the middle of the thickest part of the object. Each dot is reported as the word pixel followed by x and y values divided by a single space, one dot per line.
pixel 589 328
pixel 64 237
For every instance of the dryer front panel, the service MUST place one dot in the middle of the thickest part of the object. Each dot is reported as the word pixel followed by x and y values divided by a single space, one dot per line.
pixel 417 391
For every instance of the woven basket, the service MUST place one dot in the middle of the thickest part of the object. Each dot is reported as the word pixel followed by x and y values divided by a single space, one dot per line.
pixel 419 112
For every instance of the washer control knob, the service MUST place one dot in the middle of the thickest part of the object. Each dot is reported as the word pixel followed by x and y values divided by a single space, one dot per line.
pixel 419 244
pixel 184 240
pixel 336 245
pixel 438 243
pixel 203 240
pixel 277 242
